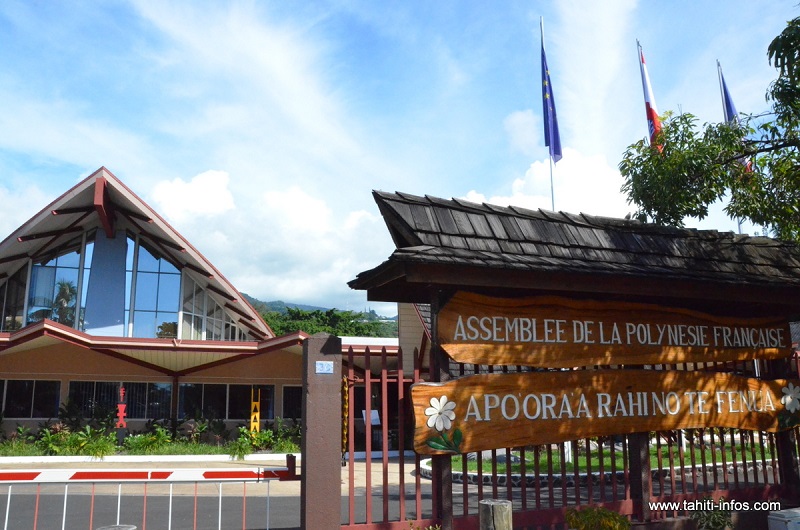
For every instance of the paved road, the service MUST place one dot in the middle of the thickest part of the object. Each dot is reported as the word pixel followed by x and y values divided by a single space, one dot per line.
pixel 88 511
pixel 91 507
pixel 284 512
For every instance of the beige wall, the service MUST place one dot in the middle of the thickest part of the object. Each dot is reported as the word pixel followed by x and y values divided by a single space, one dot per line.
pixel 279 368
pixel 410 331
pixel 65 362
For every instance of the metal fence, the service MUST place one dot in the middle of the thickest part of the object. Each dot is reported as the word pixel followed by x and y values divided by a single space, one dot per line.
pixel 162 498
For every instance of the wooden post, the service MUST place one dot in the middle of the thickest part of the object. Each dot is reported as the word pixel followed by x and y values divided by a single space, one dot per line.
pixel 785 441
pixel 641 477
pixel 321 476
pixel 442 466
pixel 494 514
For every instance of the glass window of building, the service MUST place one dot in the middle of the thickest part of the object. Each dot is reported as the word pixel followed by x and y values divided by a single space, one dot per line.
pixel 13 292
pixel 157 300
pixel 53 292
pixel 240 401
pixel 159 400
pixel 156 295
pixel 292 402
pixel 31 399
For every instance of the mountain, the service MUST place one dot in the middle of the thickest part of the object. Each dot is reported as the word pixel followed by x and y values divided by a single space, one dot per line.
pixel 278 305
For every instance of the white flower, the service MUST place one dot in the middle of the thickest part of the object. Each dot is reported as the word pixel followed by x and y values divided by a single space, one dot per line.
pixel 440 413
pixel 791 398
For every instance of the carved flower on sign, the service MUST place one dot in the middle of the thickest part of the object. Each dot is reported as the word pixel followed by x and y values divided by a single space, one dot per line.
pixel 440 415
pixel 791 397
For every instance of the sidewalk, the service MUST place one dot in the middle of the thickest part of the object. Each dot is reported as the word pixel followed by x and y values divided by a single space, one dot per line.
pixel 290 488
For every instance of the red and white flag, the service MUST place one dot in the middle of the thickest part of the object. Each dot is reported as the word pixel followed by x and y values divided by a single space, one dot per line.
pixel 653 123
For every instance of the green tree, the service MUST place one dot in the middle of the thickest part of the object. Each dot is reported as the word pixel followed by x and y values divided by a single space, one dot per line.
pixel 342 323
pixel 754 163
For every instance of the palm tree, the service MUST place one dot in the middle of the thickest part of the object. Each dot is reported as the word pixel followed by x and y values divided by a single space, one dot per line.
pixel 64 302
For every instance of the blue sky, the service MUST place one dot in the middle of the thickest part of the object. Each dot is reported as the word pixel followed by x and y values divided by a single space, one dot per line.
pixel 259 129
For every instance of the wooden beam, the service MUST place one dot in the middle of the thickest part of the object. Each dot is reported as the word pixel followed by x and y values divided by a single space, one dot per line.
pixel 222 293
pixel 133 215
pixel 53 233
pixel 15 257
pixel 133 360
pixel 199 270
pixel 241 312
pixel 66 211
pixel 103 206
pixel 43 250
pixel 232 359
pixel 252 327
pixel 162 242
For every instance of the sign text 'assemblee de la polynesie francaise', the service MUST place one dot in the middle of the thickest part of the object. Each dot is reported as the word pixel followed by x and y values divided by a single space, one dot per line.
pixel 499 409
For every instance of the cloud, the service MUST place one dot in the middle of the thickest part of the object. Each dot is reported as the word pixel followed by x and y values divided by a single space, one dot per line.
pixel 205 195
pixel 522 129
pixel 303 109
pixel 597 181
pixel 281 244
pixel 27 200
pixel 64 131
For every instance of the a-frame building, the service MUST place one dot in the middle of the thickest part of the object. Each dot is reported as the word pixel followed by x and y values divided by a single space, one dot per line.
pixel 97 290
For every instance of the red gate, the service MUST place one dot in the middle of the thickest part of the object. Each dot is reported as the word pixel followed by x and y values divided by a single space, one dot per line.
pixel 389 487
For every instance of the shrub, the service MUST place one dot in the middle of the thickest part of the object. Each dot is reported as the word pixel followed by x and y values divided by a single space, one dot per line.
pixel 52 438
pixel 287 436
pixel 89 442
pixel 285 446
pixel 70 414
pixel 241 446
pixel 717 518
pixel 219 432
pixel 148 443
pixel 262 440
pixel 596 518
pixel 100 446
pixel 194 428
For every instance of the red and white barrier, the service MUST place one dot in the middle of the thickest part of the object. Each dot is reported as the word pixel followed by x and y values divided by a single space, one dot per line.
pixel 73 476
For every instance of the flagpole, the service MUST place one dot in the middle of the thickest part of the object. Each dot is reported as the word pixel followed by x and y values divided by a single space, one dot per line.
pixel 725 116
pixel 552 195
pixel 552 192
pixel 721 90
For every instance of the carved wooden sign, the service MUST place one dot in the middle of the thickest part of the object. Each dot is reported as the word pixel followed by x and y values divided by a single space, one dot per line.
pixel 558 332
pixel 486 411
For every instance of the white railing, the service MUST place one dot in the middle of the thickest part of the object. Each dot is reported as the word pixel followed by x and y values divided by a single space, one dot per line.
pixel 38 482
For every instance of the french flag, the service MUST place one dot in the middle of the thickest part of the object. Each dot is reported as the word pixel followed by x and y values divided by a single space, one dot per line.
pixel 653 123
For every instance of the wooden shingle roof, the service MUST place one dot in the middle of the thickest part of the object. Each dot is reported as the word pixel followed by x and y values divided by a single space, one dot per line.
pixel 453 243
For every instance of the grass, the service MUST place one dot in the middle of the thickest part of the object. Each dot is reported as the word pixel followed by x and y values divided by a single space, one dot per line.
pixel 181 448
pixel 619 460
pixel 19 448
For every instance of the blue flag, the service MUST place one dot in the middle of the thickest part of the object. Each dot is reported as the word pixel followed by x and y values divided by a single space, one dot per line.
pixel 727 103
pixel 552 138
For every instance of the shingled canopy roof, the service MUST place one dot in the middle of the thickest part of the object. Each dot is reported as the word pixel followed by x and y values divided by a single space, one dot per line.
pixel 455 244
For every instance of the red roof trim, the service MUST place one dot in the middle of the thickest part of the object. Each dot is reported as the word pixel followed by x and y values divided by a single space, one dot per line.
pixel 109 345
pixel 54 329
